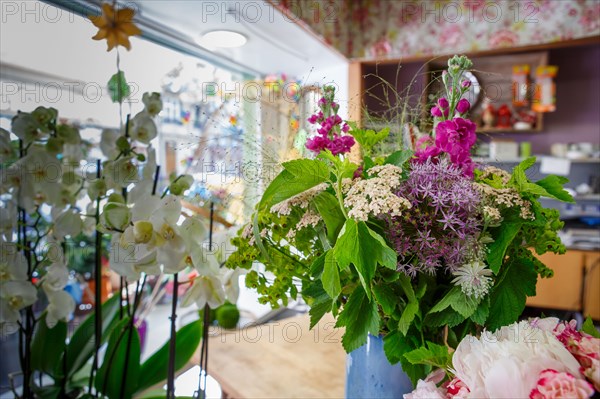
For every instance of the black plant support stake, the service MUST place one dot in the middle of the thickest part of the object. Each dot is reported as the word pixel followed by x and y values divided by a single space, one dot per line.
pixel 98 289
pixel 206 322
pixel 172 341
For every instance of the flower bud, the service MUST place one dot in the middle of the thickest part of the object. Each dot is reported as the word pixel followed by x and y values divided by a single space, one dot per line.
pixel 142 231
pixel 465 84
pixel 443 103
pixel 116 197
pixel 436 112
pixel 115 216
pixel 463 106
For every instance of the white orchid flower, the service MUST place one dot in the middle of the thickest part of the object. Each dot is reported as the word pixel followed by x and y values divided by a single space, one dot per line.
pixel 115 216
pixel 13 265
pixel 44 171
pixel 27 128
pixel 231 283
pixel 89 222
pixel 7 151
pixel 170 245
pixel 14 296
pixel 108 143
pixel 121 173
pixel 56 277
pixel 129 259
pixel 67 223
pixel 143 128
pixel 152 103
pixel 60 306
pixel 8 219
pixel 205 290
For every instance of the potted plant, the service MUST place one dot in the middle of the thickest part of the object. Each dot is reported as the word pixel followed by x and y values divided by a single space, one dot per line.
pixel 410 252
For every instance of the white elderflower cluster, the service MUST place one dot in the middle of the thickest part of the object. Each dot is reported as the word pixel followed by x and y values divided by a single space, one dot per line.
pixel 375 196
pixel 473 279
pixel 507 197
pixel 310 218
pixel 301 200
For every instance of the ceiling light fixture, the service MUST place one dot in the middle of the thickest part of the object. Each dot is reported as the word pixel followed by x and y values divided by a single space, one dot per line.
pixel 222 39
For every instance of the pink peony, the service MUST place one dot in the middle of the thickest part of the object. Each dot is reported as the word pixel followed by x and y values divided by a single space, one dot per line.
pixel 457 389
pixel 552 384
pixel 426 390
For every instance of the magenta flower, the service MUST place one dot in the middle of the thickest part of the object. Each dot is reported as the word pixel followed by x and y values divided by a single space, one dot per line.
pixel 340 144
pixel 466 84
pixel 463 106
pixel 443 103
pixel 317 143
pixel 457 132
pixel 436 112
pixel 345 128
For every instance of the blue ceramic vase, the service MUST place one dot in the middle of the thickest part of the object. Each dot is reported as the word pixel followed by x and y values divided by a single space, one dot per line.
pixel 370 375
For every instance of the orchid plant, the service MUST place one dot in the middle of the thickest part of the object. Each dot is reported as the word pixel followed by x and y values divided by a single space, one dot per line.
pixel 421 246
pixel 49 194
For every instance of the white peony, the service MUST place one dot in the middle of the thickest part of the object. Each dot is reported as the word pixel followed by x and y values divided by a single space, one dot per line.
pixel 507 364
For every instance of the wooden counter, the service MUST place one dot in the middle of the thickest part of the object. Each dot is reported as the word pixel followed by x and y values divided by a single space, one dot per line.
pixel 283 359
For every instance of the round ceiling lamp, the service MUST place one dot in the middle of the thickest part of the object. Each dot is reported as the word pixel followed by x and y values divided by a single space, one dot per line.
pixel 222 39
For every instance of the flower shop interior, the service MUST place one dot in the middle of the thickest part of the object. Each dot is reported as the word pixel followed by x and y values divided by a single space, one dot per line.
pixel 300 199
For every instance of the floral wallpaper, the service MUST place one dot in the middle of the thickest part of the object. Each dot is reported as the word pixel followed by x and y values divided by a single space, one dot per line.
pixel 391 29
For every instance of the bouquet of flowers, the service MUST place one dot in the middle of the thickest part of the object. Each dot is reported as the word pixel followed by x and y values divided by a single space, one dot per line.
pixel 422 247
pixel 537 359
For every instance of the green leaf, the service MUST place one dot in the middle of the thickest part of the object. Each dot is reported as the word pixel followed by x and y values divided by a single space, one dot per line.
pixel 154 370
pixel 298 176
pixel 482 312
pixel 588 328
pixel 318 309
pixel 47 392
pixel 361 246
pixel 503 236
pixel 386 298
pixel 316 268
pixel 463 306
pixel 399 158
pixel 81 346
pixel 433 355
pixel 518 178
pixel 447 317
pixel 329 209
pixel 408 315
pixel 114 378
pixel 360 318
pixel 554 187
pixel 47 346
pixel 515 283
pixel 406 285
pixel 118 87
pixel 395 346
pixel 331 276
pixel 367 138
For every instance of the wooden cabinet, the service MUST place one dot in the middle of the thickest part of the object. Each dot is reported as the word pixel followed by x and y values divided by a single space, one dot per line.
pixel 575 285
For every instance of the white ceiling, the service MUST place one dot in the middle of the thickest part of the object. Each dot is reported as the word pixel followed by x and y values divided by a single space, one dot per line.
pixel 275 42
